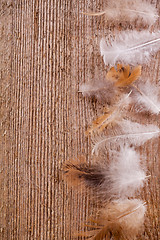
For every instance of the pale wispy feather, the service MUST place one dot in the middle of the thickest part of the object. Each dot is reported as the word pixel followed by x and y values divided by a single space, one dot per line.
pixel 147 97
pixel 102 90
pixel 131 133
pixel 130 47
pixel 129 11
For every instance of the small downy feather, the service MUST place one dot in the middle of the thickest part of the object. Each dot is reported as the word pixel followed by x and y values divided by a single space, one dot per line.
pixel 130 47
pixel 112 116
pixel 147 97
pixel 120 179
pixel 129 11
pixel 121 219
pixel 102 90
pixel 131 132
pixel 109 89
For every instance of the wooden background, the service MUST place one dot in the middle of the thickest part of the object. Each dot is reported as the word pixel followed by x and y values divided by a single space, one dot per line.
pixel 47 50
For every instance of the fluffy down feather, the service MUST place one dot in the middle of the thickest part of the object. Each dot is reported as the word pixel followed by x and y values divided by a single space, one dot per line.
pixel 109 89
pixel 120 179
pixel 126 173
pixel 130 47
pixel 129 11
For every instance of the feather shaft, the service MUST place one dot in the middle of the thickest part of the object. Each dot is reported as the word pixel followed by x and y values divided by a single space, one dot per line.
pixel 124 9
pixel 131 211
pixel 94 13
pixel 122 136
pixel 143 45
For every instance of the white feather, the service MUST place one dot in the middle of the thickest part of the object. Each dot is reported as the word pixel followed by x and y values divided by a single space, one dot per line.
pixel 132 133
pixel 126 173
pixel 130 47
pixel 103 91
pixel 147 98
pixel 129 11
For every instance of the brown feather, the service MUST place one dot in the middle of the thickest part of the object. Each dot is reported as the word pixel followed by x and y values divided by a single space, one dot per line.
pixel 89 177
pixel 113 230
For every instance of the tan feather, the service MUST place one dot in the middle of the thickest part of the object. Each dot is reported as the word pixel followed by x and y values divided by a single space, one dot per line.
pixel 72 171
pixel 112 116
pixel 123 77
pixel 101 122
pixel 120 220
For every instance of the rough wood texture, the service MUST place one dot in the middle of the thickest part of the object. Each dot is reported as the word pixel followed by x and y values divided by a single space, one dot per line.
pixel 47 49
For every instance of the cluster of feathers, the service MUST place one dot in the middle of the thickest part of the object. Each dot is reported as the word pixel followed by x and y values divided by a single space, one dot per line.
pixel 117 182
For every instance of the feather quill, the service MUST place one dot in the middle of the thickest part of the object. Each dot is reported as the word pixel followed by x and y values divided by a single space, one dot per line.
pixel 122 178
pixel 131 132
pixel 130 47
pixel 147 98
pixel 129 11
pixel 121 219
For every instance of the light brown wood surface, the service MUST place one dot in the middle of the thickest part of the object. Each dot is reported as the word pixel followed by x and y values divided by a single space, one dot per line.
pixel 48 48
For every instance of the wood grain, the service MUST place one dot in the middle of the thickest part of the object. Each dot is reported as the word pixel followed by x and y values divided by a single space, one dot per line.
pixel 48 48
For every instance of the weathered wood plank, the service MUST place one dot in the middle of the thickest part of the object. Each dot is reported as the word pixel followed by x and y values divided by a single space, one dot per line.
pixel 48 48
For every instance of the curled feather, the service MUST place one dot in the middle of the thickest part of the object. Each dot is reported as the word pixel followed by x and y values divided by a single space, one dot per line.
pixel 130 47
